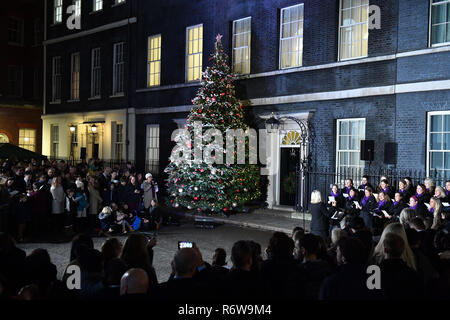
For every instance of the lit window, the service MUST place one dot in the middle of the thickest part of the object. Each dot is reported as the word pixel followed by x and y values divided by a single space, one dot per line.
pixel 27 139
pixel 291 36
pixel 354 29
pixel 98 5
pixel 95 73
pixel 241 45
pixel 154 61
pixel 439 144
pixel 77 4
pixel 194 52
pixel 152 147
pixel 440 22
pixel 55 140
pixel 350 132
pixel 118 68
pixel 75 78
pixel 57 11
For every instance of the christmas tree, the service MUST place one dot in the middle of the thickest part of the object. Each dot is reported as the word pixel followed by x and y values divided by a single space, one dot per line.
pixel 213 186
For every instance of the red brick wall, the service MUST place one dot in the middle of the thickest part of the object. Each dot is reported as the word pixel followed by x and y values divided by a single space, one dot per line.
pixel 14 118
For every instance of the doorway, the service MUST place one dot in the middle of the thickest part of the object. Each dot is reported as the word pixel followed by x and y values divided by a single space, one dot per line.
pixel 289 158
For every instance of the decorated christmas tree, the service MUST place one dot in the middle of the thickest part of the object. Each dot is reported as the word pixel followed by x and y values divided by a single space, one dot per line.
pixel 216 185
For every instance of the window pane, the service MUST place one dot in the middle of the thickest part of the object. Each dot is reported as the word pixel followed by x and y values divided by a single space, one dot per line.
pixel 446 138
pixel 436 123
pixel 436 141
pixel 343 127
pixel 437 160
pixel 343 143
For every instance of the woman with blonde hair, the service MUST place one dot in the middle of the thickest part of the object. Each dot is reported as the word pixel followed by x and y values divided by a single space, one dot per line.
pixel 407 215
pixel 319 215
pixel 430 185
pixel 58 199
pixel 407 255
pixel 439 192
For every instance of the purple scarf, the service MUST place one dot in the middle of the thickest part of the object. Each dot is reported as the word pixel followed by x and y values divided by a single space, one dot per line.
pixel 350 197
pixel 395 203
pixel 414 207
pixel 419 195
pixel 385 190
pixel 364 201
pixel 335 194
pixel 381 203
pixel 447 192
pixel 347 189
pixel 432 210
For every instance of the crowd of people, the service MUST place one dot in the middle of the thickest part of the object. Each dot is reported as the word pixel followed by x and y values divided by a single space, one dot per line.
pixel 57 199
pixel 351 232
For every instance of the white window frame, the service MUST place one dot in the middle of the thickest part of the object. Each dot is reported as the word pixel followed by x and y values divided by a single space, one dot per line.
pixel 151 51
pixel 200 53
pixel 96 73
pixel 57 11
pixel 430 33
pixel 118 69
pixel 152 142
pixel 54 133
pixel 280 53
pixel 24 134
pixel 338 151
pixel 19 30
pixel 340 37
pixel 97 5
pixel 246 62
pixel 75 77
pixel 56 79
pixel 119 143
pixel 428 162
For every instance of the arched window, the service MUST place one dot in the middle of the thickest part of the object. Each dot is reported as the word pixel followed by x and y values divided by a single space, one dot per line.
pixel 4 138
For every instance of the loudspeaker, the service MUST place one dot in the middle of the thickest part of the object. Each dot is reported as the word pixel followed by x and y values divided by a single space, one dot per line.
pixel 390 153
pixel 367 150
pixel 82 153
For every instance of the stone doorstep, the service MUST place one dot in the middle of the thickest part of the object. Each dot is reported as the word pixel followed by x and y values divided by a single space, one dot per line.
pixel 284 213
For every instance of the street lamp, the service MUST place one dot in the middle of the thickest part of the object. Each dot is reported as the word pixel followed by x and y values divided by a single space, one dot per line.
pixel 272 125
pixel 94 131
pixel 72 129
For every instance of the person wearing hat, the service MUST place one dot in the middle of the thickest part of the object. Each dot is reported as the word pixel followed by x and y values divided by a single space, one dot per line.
pixel 150 191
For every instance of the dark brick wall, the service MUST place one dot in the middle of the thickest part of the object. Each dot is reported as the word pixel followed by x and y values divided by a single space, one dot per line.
pixel 411 125
pixel 424 68
pixel 413 24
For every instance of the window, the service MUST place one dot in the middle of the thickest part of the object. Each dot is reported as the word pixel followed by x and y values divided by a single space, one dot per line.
pixel 438 143
pixel 291 36
pixel 241 45
pixel 152 154
pixel 15 76
pixel 154 61
pixel 119 141
pixel 4 138
pixel 55 140
pixel 77 4
pixel 15 30
pixel 27 139
pixel 353 29
pixel 75 76
pixel 119 1
pixel 36 32
pixel 118 68
pixel 194 52
pixel 57 11
pixel 440 22
pixel 350 132
pixel 56 79
pixel 95 73
pixel 98 5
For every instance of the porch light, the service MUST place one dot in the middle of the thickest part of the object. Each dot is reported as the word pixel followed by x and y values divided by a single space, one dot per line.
pixel 72 128
pixel 272 123
pixel 94 128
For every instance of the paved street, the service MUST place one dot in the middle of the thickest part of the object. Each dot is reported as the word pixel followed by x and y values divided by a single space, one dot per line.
pixel 207 240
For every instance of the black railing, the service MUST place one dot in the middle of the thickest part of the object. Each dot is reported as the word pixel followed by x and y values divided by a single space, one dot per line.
pixel 103 163
pixel 322 178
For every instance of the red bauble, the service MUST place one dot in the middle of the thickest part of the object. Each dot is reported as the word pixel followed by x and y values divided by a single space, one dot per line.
pixel 195 198
pixel 225 209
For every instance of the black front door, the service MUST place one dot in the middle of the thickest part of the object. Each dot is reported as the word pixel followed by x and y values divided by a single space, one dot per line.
pixel 288 161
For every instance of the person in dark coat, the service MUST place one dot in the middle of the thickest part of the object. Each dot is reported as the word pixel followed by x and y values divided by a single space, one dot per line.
pixel 241 282
pixel 279 267
pixel 349 205
pixel 362 187
pixel 40 270
pixel 398 281
pixel 40 208
pixel 12 264
pixel 338 197
pixel 367 206
pixel 348 186
pixel 403 190
pixel 418 207
pixel 422 195
pixel 350 281
pixel 182 286
pixel 320 215
pixel 397 206
pixel 122 191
